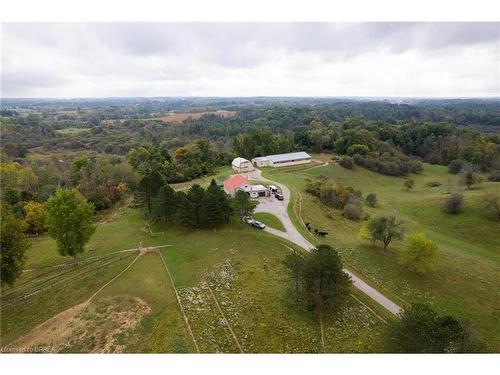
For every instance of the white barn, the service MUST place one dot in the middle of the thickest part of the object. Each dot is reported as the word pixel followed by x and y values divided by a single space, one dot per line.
pixel 282 160
pixel 241 165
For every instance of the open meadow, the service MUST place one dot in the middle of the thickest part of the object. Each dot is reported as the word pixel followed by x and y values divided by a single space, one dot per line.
pixel 469 260
pixel 231 283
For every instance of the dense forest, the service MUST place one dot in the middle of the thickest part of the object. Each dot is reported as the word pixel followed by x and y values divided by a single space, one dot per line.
pixel 106 147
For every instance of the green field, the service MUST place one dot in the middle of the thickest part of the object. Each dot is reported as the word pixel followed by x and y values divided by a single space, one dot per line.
pixel 139 312
pixel 469 243
pixel 222 174
pixel 72 131
pixel 270 220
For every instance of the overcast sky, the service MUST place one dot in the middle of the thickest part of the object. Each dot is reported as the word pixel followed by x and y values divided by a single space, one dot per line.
pixel 250 59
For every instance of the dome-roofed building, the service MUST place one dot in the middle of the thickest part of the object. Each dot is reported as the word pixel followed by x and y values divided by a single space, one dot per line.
pixel 241 165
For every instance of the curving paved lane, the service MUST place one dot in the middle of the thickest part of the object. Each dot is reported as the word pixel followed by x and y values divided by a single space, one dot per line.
pixel 279 209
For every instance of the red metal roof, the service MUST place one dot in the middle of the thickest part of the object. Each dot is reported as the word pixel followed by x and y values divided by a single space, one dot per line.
pixel 235 181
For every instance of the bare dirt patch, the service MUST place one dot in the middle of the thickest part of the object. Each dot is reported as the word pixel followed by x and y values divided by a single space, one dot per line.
pixel 180 117
pixel 103 326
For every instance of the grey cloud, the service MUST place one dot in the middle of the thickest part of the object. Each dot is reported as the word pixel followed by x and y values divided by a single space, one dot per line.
pixel 178 57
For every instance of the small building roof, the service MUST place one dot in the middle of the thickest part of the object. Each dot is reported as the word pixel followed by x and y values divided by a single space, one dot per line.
pixel 258 187
pixel 249 188
pixel 235 181
pixel 238 161
pixel 301 155
pixel 261 158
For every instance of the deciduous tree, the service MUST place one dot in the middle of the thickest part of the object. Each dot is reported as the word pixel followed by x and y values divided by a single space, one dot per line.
pixel 386 229
pixel 69 220
pixel 420 253
pixel 35 217
pixel 13 246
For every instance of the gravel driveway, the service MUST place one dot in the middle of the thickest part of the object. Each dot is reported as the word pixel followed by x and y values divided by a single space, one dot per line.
pixel 279 209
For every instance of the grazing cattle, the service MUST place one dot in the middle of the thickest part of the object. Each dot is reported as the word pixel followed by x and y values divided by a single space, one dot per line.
pixel 308 226
pixel 316 231
pixel 322 234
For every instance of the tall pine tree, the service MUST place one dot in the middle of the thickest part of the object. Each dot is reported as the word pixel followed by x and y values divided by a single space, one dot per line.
pixel 213 207
pixel 185 215
pixel 165 204
pixel 195 196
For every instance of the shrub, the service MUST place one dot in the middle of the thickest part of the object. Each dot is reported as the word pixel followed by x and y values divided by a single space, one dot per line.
pixel 492 206
pixel 371 199
pixel 392 165
pixel 35 217
pixel 358 149
pixel 347 162
pixel 353 210
pixel 409 183
pixel 433 184
pixel 494 176
pixel 453 204
pixel 455 166
pixel 419 254
pixel 469 178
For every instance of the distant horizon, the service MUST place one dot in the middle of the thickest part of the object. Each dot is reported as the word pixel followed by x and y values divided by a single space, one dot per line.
pixel 253 96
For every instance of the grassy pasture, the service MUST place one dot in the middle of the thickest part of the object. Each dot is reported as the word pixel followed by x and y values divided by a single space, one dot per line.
pixel 222 174
pixel 469 243
pixel 72 131
pixel 242 266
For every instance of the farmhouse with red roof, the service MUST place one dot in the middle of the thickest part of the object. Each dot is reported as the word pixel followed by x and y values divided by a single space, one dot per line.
pixel 233 183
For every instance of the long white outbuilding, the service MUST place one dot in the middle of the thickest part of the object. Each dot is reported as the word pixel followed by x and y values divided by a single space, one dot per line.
pixel 282 160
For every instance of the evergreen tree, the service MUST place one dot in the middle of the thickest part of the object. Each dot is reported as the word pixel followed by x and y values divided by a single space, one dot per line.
pixel 324 280
pixel 184 215
pixel 166 204
pixel 195 196
pixel 421 330
pixel 294 261
pixel 212 213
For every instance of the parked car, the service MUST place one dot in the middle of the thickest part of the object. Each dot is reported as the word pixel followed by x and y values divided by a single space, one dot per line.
pixel 258 224
pixel 279 196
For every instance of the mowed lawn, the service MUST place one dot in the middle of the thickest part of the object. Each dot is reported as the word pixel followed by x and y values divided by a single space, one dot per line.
pixel 465 282
pixel 238 268
pixel 270 220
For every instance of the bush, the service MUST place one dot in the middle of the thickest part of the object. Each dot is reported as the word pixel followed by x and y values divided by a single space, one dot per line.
pixel 433 184
pixel 391 165
pixel 469 178
pixel 409 183
pixel 492 206
pixel 347 162
pixel 354 211
pixel 419 254
pixel 453 204
pixel 494 176
pixel 358 149
pixel 455 166
pixel 371 199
